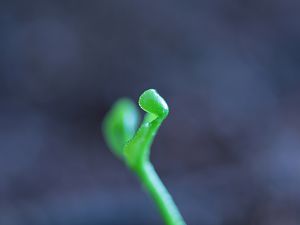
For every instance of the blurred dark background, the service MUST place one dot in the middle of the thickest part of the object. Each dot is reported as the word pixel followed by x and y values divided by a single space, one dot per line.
pixel 230 150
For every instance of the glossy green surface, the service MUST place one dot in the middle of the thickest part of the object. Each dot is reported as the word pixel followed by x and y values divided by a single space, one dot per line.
pixel 134 146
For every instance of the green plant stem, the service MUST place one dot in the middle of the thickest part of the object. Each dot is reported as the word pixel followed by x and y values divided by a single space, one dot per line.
pixel 160 194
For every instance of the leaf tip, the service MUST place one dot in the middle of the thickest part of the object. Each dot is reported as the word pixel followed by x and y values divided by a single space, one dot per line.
pixel 152 102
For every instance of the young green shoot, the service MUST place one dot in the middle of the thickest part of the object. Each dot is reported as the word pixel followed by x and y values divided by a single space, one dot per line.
pixel 133 145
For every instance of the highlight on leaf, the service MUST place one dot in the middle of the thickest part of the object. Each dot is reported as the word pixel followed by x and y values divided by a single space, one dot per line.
pixel 152 102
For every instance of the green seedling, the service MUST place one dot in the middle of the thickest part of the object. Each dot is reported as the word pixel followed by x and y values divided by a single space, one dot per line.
pixel 132 145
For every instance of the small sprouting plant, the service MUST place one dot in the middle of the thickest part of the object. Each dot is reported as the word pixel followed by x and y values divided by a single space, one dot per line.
pixel 132 145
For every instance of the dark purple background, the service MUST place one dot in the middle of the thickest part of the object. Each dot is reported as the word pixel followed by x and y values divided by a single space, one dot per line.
pixel 230 70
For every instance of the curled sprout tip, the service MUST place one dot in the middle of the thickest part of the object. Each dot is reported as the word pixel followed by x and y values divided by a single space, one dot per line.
pixel 153 103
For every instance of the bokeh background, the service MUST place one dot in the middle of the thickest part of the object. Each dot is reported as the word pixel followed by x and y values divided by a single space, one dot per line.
pixel 229 151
